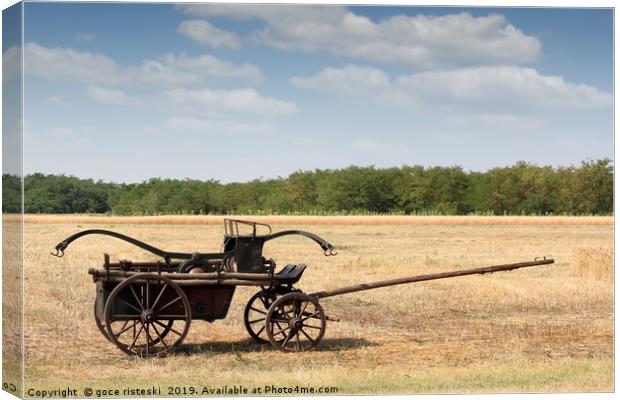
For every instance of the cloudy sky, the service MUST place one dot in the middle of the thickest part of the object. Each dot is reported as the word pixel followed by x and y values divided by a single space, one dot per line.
pixel 126 92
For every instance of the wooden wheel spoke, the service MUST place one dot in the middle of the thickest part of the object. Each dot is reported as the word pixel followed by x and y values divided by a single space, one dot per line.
pixel 279 326
pixel 264 300
pixel 297 340
pixel 137 298
pixel 256 320
pixel 159 295
pixel 136 337
pixel 287 339
pixel 257 310
pixel 161 339
pixel 125 329
pixel 281 310
pixel 125 324
pixel 169 328
pixel 306 335
pixel 313 327
pixel 260 330
pixel 148 337
pixel 303 309
pixel 170 303
pixel 128 304
pixel 312 316
pixel 281 331
pixel 130 317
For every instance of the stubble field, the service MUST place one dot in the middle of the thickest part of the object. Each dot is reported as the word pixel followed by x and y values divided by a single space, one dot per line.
pixel 534 330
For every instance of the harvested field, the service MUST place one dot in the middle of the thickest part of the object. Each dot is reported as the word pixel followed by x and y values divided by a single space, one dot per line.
pixel 534 330
pixel 593 263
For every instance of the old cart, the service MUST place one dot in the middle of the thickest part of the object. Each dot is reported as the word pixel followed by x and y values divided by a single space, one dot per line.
pixel 146 308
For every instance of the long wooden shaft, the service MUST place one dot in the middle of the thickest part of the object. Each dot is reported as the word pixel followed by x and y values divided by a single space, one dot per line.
pixel 194 282
pixel 428 277
pixel 184 276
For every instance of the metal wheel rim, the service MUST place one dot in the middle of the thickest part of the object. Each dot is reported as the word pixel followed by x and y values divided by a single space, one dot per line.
pixel 294 307
pixel 155 327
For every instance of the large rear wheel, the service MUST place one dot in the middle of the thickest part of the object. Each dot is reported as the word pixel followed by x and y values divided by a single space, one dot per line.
pixel 140 312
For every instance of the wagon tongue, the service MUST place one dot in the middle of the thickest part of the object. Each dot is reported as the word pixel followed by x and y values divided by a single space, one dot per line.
pixel 429 277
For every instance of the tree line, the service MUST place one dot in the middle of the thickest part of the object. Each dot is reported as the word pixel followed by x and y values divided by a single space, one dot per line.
pixel 521 189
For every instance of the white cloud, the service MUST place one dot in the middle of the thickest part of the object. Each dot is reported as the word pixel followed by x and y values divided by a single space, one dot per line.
pixel 208 67
pixel 84 37
pixel 417 41
pixel 205 33
pixel 350 81
pixel 513 88
pixel 237 102
pixel 490 90
pixel 111 96
pixel 66 64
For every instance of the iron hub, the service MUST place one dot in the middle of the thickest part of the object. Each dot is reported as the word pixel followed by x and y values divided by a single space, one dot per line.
pixel 148 316
pixel 295 323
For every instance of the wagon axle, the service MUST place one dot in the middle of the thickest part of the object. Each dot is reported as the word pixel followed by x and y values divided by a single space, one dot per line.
pixel 146 308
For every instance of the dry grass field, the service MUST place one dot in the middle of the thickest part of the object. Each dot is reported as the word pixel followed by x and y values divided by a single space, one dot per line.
pixel 539 329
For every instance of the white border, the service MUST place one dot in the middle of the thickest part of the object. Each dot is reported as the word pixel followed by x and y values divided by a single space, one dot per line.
pixel 471 3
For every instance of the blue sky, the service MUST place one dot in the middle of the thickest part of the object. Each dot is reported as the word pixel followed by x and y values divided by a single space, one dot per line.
pixel 126 92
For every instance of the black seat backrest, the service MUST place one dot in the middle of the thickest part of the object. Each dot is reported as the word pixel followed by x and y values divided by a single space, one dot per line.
pixel 248 252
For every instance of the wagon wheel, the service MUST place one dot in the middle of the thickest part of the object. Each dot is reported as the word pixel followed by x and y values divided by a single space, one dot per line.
pixel 255 313
pixel 295 322
pixel 139 314
pixel 101 327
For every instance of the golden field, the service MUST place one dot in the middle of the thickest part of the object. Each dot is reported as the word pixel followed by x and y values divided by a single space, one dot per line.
pixel 539 329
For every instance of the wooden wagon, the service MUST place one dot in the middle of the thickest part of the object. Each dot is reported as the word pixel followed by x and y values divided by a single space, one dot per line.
pixel 146 308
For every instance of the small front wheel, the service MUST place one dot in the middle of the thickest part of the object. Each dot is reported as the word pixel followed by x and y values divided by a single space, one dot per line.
pixel 255 313
pixel 295 322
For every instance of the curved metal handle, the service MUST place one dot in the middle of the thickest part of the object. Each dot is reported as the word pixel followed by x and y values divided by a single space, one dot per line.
pixel 328 248
pixel 60 247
